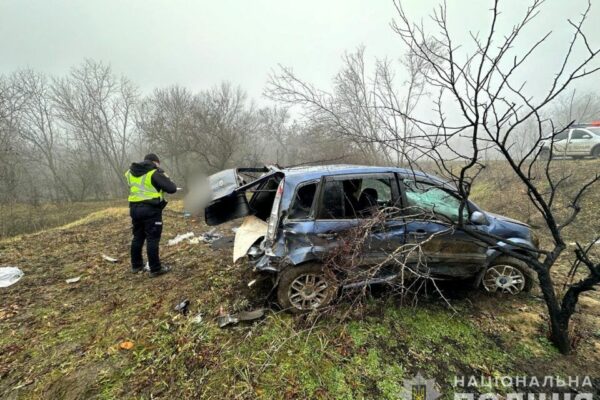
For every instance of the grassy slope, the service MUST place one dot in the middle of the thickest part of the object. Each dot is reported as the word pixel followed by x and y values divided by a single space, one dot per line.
pixel 26 218
pixel 61 340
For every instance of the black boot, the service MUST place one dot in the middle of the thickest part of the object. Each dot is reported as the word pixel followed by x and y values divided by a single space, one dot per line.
pixel 163 270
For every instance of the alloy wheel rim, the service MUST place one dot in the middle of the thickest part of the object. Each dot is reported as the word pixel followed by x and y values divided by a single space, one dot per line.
pixel 504 278
pixel 308 291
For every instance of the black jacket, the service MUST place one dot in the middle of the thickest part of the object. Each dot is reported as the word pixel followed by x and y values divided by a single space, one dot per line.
pixel 159 180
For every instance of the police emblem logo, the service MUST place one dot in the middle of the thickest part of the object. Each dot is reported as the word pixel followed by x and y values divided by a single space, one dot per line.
pixel 419 388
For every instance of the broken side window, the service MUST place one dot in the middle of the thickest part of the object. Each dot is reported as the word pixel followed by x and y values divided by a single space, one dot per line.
pixel 261 202
pixel 303 200
pixel 426 198
pixel 332 204
pixel 356 197
pixel 375 195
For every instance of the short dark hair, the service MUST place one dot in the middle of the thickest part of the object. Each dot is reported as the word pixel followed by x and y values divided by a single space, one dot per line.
pixel 151 157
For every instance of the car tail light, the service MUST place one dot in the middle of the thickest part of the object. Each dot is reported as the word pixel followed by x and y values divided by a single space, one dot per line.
pixel 272 226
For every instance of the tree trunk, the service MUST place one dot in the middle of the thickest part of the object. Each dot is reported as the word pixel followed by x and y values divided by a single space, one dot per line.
pixel 559 333
pixel 559 326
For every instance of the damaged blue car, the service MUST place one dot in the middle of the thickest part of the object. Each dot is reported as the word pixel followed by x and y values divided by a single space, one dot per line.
pixel 294 218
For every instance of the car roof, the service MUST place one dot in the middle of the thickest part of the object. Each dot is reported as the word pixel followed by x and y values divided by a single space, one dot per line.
pixel 307 173
pixel 594 124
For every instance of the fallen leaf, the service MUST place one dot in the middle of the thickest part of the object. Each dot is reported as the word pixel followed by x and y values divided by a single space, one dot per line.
pixel 126 345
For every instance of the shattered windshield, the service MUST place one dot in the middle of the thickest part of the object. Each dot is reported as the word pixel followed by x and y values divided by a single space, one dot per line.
pixel 423 197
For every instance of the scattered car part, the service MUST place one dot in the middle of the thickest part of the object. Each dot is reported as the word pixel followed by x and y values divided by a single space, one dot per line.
pixel 10 276
pixel 222 242
pixel 73 280
pixel 183 307
pixel 109 259
pixel 210 236
pixel 179 238
pixel 228 319
pixel 197 319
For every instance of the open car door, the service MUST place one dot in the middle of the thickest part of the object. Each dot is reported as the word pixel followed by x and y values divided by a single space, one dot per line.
pixel 229 189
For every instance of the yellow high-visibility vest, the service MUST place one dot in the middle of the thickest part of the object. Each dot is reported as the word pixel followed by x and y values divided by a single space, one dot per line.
pixel 141 188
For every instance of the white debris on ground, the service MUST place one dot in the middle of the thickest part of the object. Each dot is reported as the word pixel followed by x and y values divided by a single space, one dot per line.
pixel 73 280
pixel 207 237
pixel 179 238
pixel 9 276
pixel 210 236
pixel 109 259
pixel 197 319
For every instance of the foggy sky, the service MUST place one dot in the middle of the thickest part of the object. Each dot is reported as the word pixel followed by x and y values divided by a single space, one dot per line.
pixel 200 43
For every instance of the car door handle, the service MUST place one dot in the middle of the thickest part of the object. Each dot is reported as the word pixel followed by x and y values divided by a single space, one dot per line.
pixel 328 236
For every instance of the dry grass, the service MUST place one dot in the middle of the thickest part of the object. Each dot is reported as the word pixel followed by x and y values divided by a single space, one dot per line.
pixel 62 340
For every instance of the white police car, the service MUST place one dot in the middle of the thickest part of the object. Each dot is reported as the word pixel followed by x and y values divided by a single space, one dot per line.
pixel 578 141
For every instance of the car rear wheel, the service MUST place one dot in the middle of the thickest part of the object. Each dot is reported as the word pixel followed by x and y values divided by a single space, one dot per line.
pixel 304 288
pixel 596 152
pixel 507 275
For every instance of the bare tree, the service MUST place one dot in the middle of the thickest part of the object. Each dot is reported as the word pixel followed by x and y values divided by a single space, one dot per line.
pixel 491 106
pixel 574 106
pixel 166 122
pixel 38 127
pixel 98 108
pixel 354 110
pixel 11 149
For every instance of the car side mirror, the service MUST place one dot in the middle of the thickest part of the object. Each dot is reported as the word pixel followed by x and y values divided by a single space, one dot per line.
pixel 478 218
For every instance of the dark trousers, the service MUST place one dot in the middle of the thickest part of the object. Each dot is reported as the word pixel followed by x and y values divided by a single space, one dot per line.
pixel 147 227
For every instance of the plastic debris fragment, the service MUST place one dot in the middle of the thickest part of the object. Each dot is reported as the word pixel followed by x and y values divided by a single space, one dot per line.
pixel 10 276
pixel 109 259
pixel 179 238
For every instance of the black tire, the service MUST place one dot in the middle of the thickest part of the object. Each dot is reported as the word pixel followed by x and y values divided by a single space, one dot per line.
pixel 596 152
pixel 290 298
pixel 506 262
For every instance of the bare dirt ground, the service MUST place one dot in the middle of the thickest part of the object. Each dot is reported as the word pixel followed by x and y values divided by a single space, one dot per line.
pixel 61 340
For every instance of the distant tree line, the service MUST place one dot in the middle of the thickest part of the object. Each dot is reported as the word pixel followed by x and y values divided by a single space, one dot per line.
pixel 71 137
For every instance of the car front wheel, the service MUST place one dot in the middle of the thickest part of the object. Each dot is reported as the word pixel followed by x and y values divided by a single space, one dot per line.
pixel 507 275
pixel 304 288
pixel 596 152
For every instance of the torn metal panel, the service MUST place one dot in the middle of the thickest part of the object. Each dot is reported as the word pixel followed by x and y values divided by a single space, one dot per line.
pixel 228 319
pixel 248 233
pixel 229 198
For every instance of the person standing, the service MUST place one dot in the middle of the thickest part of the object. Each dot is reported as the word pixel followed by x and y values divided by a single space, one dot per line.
pixel 147 185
